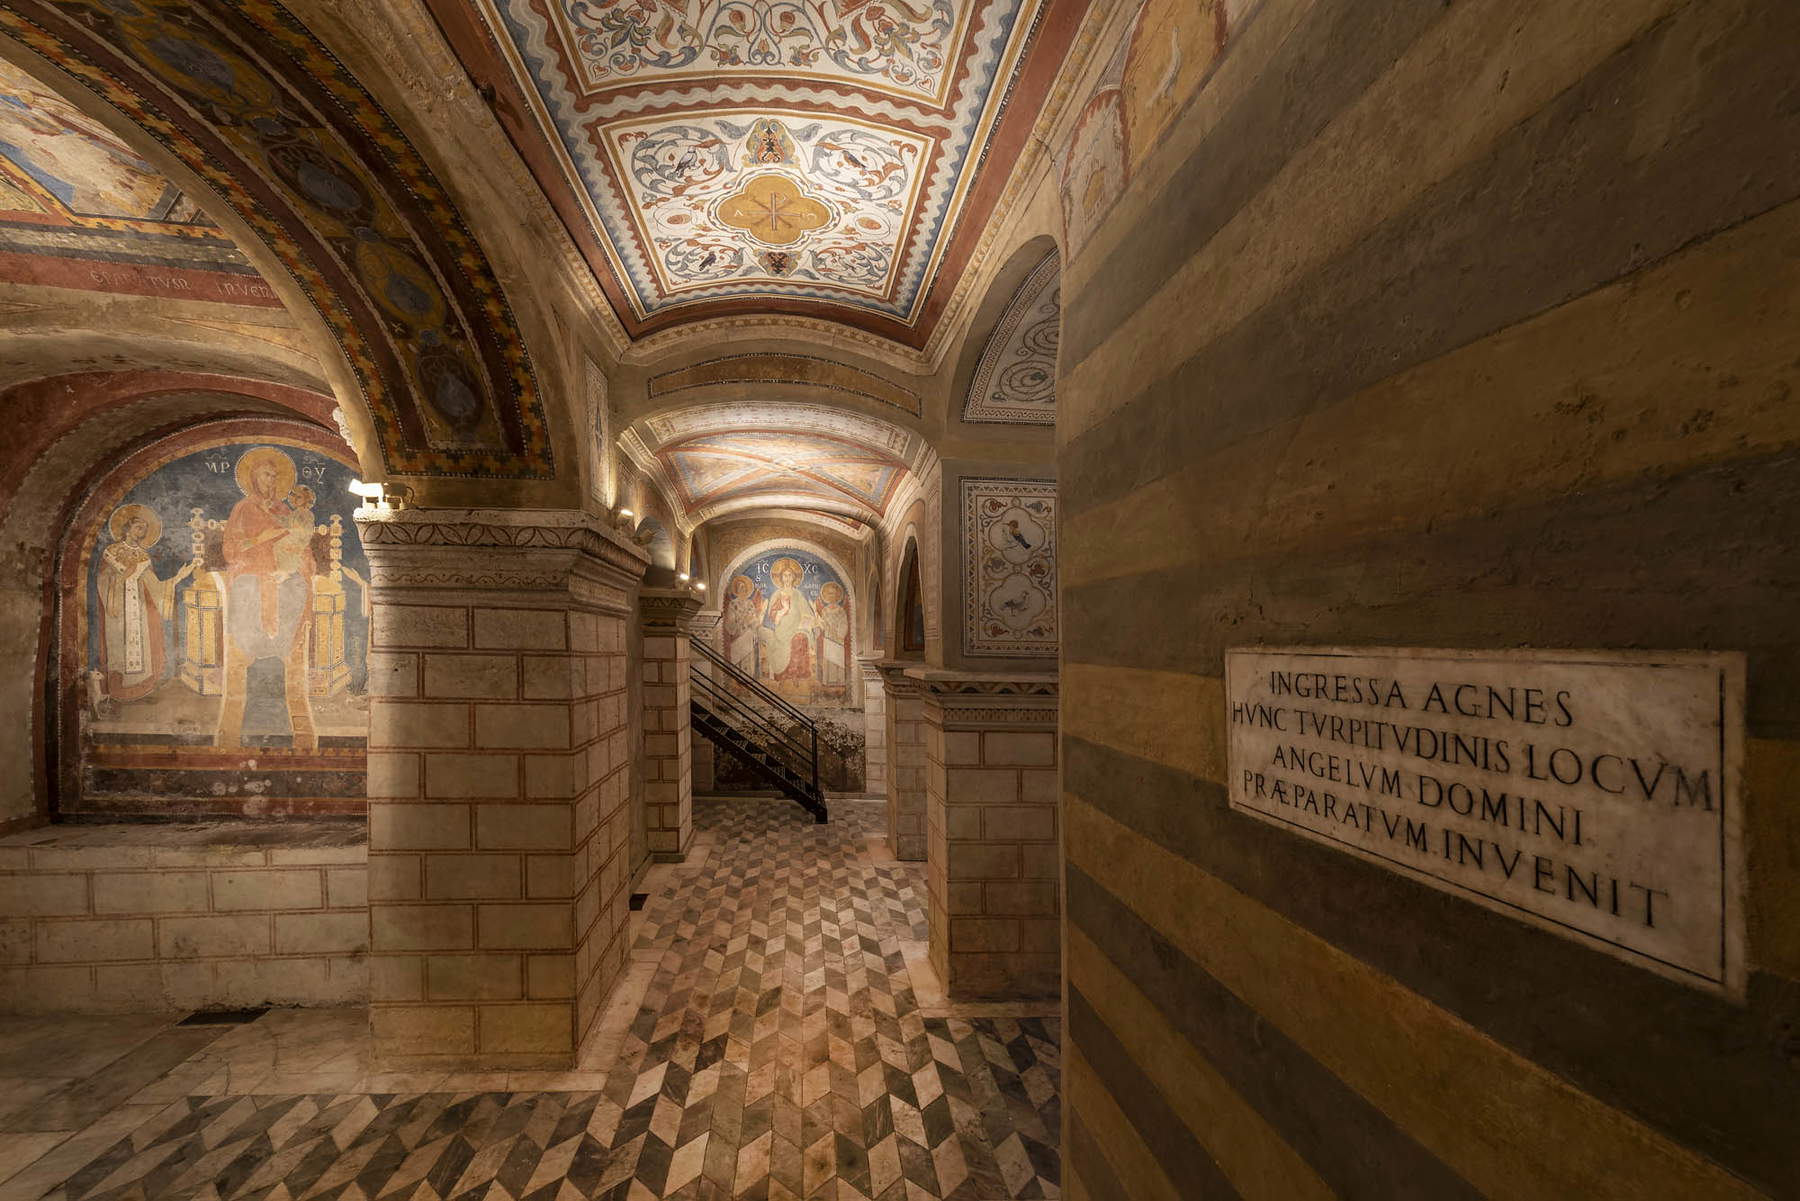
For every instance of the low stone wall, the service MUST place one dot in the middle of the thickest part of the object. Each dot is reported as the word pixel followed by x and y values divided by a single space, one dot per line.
pixel 123 918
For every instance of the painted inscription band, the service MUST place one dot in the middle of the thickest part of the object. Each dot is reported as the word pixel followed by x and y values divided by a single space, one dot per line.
pixel 1592 794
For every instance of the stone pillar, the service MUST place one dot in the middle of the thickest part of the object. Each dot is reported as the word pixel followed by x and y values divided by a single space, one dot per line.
pixel 875 732
pixel 905 759
pixel 991 809
pixel 666 616
pixel 499 825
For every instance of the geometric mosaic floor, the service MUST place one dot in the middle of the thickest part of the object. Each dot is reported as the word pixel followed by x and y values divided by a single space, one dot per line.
pixel 779 1053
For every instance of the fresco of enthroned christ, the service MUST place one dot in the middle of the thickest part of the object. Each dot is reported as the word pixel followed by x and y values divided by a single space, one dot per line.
pixel 786 621
pixel 789 626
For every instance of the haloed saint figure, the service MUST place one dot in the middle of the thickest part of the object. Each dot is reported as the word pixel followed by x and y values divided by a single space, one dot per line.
pixel 269 568
pixel 787 622
pixel 135 607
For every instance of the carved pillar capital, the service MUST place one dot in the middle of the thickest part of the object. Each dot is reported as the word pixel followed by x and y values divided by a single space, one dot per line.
pixel 668 610
pixel 502 550
pixel 988 700
pixel 894 676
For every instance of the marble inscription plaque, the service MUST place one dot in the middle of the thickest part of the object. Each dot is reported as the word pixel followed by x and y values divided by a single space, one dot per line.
pixel 1593 794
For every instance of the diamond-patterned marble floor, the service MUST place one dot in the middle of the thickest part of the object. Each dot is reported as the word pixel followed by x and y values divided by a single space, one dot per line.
pixel 779 1052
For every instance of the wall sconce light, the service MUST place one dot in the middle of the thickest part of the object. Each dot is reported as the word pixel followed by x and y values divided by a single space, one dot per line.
pixel 684 577
pixel 701 585
pixel 374 495
pixel 385 498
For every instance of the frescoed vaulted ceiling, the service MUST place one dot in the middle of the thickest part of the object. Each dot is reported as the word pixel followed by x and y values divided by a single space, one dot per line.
pixel 81 209
pixel 799 156
pixel 721 458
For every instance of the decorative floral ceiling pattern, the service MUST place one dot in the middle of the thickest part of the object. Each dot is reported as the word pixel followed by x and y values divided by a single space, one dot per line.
pixel 721 458
pixel 730 155
pixel 1015 382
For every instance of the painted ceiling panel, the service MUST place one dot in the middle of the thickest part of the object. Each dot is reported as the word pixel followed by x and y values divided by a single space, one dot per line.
pixel 723 457
pixel 81 209
pixel 817 152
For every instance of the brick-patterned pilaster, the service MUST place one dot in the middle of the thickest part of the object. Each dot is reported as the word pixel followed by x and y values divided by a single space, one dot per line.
pixel 498 781
pixel 991 801
pixel 875 731
pixel 666 617
pixel 905 759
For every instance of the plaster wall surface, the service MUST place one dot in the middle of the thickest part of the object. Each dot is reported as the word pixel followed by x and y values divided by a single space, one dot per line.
pixel 1424 325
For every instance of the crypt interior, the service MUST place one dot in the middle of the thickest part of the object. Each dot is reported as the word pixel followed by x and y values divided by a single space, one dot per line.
pixel 899 600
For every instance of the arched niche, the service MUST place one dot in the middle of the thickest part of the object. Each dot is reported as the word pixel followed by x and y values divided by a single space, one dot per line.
pixel 211 654
pixel 1005 377
pixel 908 637
pixel 320 187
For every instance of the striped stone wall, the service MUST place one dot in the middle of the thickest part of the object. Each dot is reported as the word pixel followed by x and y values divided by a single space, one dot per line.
pixel 1426 324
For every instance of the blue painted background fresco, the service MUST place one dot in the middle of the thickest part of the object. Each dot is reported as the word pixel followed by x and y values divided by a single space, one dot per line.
pixel 205 480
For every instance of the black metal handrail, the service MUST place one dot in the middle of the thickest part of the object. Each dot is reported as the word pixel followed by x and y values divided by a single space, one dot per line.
pixel 734 710
pixel 802 752
pixel 746 680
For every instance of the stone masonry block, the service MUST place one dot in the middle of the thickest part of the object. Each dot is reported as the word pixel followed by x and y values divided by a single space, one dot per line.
pixel 527 1029
pixel 522 726
pixel 395 877
pixel 1025 898
pixel 416 827
pixel 149 892
pixel 491 775
pixel 1030 748
pixel 962 749
pixel 396 977
pixel 321 933
pixel 525 927
pixel 393 673
pixel 550 677
pixel 981 861
pixel 424 1029
pixel 1038 787
pixel 421 927
pixel 392 774
pixel 474 977
pixel 347 887
pixel 524 827
pixel 241 936
pixel 94 941
pixel 295 889
pixel 983 934
pixel 520 629
pixel 483 677
pixel 1023 823
pixel 419 626
pixel 463 877
pixel 550 977
pixel 40 894
pixel 418 724
pixel 981 786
